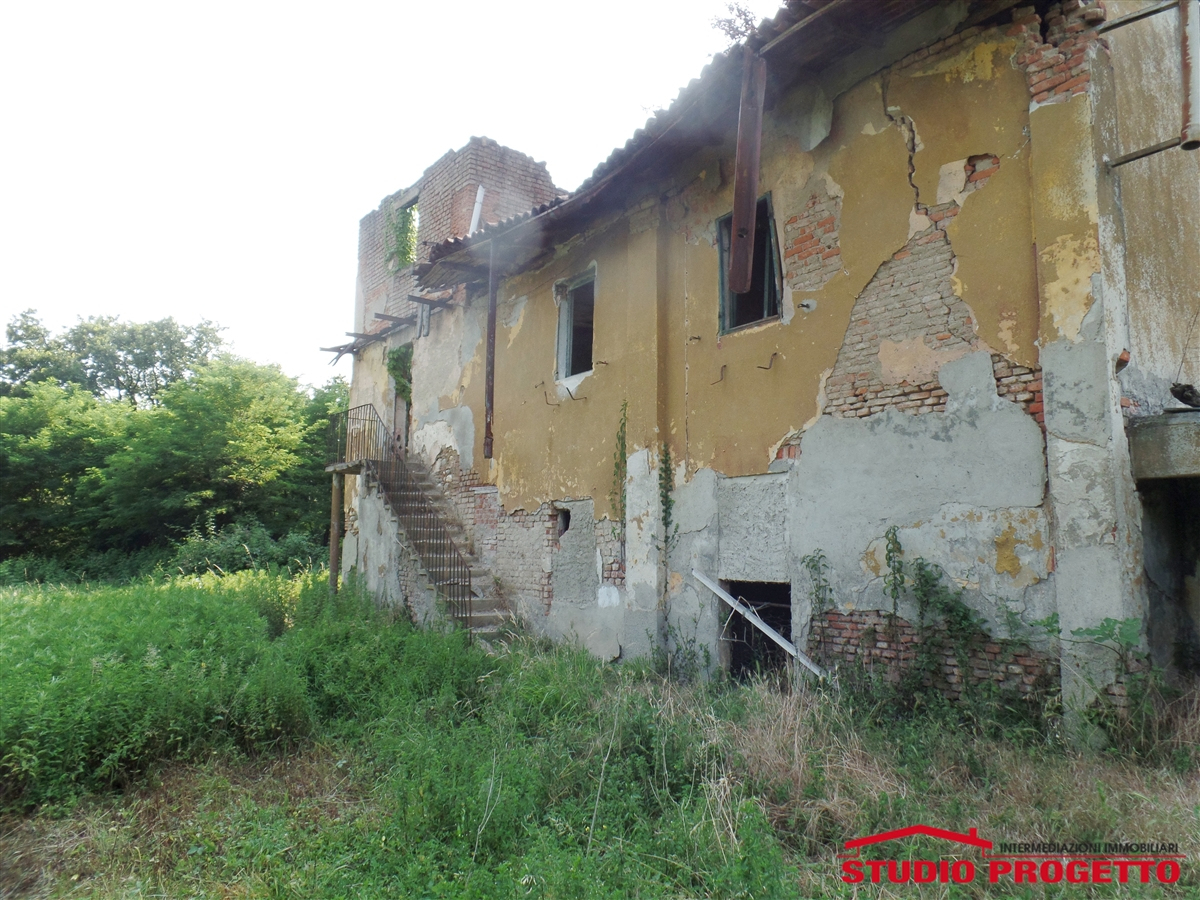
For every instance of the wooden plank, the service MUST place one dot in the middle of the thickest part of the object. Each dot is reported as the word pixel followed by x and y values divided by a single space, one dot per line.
pixel 745 178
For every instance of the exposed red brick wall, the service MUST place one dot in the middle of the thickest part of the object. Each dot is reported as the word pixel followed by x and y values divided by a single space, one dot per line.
pixel 811 253
pixel 1056 62
pixel 1020 384
pixel 912 296
pixel 1053 52
pixel 513 183
pixel 873 640
pixel 503 541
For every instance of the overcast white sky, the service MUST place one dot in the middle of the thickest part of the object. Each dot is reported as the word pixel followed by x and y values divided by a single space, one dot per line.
pixel 212 160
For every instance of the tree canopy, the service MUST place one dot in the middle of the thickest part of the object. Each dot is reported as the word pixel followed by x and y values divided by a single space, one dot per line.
pixel 129 361
pixel 107 444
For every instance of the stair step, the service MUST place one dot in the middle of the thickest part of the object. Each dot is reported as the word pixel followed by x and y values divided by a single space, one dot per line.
pixel 487 619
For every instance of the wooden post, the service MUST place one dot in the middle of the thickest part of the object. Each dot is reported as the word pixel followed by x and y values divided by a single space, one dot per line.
pixel 337 516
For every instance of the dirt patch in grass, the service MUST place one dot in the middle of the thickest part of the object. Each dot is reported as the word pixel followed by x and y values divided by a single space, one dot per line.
pixel 211 810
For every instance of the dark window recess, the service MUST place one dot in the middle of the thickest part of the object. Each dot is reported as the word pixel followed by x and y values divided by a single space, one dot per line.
pixel 750 651
pixel 576 316
pixel 762 300
pixel 583 307
pixel 564 521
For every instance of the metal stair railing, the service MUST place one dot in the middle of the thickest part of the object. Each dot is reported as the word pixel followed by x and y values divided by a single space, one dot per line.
pixel 359 436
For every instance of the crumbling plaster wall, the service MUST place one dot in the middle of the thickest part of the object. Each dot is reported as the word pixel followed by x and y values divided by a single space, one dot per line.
pixel 1022 276
pixel 726 402
pixel 965 489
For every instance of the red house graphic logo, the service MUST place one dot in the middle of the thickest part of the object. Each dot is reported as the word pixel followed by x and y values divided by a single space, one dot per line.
pixel 1025 863
pixel 921 871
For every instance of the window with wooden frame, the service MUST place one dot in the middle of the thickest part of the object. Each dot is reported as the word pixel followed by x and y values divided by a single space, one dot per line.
pixel 761 302
pixel 576 314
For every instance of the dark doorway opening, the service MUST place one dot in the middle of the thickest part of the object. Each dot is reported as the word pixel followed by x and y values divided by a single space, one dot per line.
pixel 1171 554
pixel 747 651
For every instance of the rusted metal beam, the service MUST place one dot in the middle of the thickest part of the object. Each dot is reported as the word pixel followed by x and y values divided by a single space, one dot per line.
pixel 430 302
pixel 396 320
pixel 1142 154
pixel 489 384
pixel 745 178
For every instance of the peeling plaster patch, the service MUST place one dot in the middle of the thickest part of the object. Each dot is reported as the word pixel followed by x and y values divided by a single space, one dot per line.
pixel 608 597
pixel 571 384
pixel 1006 553
pixel 430 439
pixel 788 311
pixel 874 557
pixel 821 401
pixel 832 188
pixel 952 182
pixel 514 317
pixel 913 360
pixel 974 63
pixel 1068 294
pixel 1007 331
pixel 917 222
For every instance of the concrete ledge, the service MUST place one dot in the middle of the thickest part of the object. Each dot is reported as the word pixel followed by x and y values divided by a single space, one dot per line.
pixel 1166 446
pixel 346 468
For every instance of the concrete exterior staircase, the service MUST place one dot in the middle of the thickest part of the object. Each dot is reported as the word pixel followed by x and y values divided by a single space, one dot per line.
pixel 491 618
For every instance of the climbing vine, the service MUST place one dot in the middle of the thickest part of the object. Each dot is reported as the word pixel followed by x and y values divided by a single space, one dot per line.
pixel 820 591
pixel 944 623
pixel 399 366
pixel 400 237
pixel 620 466
pixel 666 481
pixel 893 581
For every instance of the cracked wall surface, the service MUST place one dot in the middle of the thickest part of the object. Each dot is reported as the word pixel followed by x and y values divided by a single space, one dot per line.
pixel 952 302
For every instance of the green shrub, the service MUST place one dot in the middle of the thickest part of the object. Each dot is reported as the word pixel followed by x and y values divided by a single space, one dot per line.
pixel 112 566
pixel 245 545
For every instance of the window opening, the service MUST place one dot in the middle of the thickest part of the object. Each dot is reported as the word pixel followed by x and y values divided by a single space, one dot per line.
pixel 762 300
pixel 575 328
pixel 746 651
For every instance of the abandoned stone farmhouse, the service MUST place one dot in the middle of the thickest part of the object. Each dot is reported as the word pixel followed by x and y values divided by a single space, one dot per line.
pixel 907 277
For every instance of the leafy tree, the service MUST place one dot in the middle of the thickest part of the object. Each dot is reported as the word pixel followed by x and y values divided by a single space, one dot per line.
pixel 49 441
pixel 128 361
pixel 221 445
pixel 118 439
pixel 32 354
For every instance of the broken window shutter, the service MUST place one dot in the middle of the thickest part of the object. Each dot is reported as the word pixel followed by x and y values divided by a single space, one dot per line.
pixel 745 183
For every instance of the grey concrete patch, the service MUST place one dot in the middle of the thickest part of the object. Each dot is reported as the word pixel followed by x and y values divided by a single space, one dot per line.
pixel 579 612
pixel 753 528
pixel 955 483
pixel 1076 405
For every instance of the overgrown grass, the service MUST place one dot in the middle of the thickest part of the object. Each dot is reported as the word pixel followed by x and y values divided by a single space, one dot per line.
pixel 269 741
